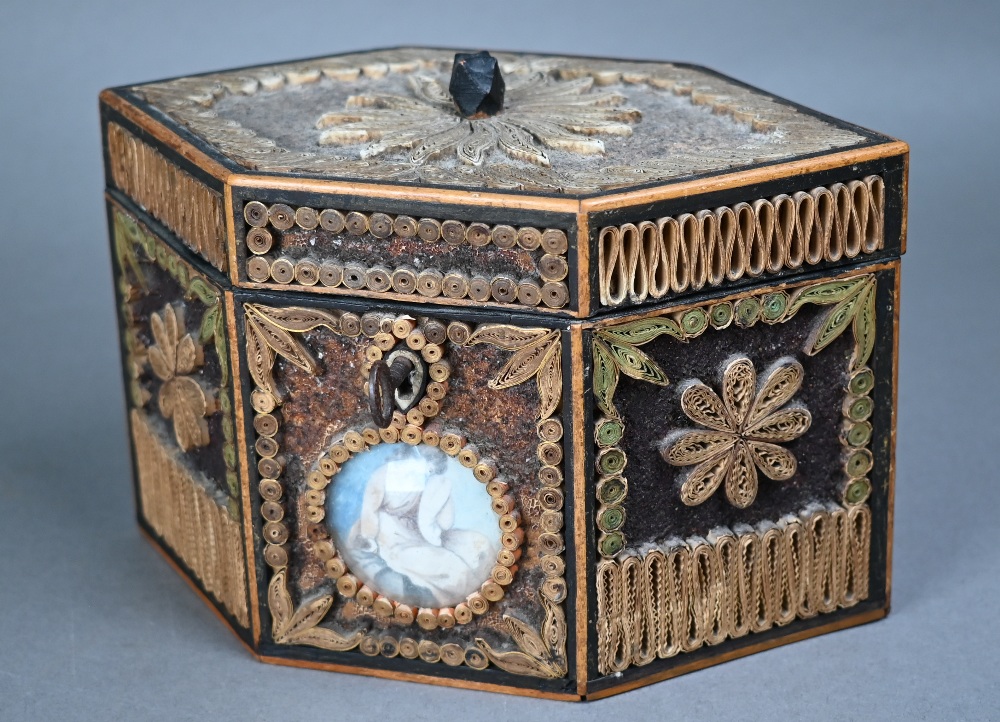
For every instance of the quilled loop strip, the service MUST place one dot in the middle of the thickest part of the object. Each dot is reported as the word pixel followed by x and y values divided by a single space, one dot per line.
pixel 671 255
pixel 700 592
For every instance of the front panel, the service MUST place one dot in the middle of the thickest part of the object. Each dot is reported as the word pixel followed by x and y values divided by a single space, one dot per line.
pixel 428 541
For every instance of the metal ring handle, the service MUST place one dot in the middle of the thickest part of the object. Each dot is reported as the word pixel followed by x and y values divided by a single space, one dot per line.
pixel 382 384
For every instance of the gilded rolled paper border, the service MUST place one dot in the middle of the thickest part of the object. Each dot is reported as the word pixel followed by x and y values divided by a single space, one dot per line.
pixel 663 257
pixel 534 259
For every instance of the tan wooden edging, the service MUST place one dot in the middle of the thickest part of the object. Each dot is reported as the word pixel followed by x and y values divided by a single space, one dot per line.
pixel 853 621
pixel 684 304
pixel 234 270
pixel 163 134
pixel 583 300
pixel 421 678
pixel 891 493
pixel 375 191
pixel 906 202
pixel 244 469
pixel 741 178
pixel 579 491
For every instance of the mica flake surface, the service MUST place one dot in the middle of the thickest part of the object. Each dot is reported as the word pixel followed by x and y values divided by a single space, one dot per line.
pixel 686 121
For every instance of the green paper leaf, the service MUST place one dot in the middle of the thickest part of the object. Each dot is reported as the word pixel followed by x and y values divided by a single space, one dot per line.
pixel 642 331
pixel 220 345
pixel 635 363
pixel 605 378
pixel 864 329
pixel 208 325
pixel 833 324
pixel 826 293
pixel 199 288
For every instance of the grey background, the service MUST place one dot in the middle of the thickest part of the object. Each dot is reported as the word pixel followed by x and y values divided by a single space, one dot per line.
pixel 94 625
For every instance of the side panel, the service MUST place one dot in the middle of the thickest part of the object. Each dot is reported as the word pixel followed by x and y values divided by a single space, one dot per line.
pixel 180 411
pixel 742 451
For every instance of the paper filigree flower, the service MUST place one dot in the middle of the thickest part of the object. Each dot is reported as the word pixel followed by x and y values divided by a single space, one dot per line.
pixel 742 432
pixel 539 113
pixel 173 357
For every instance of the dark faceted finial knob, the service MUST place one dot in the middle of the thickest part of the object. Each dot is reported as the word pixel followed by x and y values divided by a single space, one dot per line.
pixel 477 86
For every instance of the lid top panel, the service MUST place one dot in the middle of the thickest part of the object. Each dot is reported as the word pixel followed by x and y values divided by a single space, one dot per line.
pixel 568 124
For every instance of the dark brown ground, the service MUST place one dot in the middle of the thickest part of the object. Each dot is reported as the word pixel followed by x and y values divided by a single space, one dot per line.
pixel 654 510
pixel 501 423
pixel 163 289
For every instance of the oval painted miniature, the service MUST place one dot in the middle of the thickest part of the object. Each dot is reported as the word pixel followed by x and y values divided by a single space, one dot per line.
pixel 413 524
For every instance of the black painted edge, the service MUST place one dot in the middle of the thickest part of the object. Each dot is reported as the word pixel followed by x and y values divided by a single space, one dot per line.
pixel 253 477
pixel 399 206
pixel 360 305
pixel 589 484
pixel 883 364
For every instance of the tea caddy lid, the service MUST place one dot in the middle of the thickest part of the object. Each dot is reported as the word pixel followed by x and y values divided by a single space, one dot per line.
pixel 565 125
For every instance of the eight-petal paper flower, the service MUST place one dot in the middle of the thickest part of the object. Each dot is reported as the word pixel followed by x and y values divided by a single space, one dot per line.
pixel 181 398
pixel 742 432
pixel 539 113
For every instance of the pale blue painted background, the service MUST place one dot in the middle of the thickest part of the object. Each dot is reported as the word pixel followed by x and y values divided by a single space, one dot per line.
pixel 472 504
